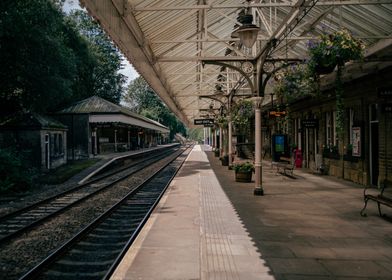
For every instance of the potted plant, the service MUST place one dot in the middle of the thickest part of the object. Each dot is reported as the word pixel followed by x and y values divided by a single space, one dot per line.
pixel 216 152
pixel 243 172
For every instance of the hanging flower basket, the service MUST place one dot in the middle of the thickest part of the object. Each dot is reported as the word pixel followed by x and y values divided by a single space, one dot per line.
pixel 333 49
pixel 295 82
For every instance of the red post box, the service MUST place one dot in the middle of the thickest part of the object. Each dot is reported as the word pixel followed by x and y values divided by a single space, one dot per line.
pixel 298 158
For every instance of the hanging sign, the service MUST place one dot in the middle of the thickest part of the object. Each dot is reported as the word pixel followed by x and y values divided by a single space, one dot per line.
pixel 277 113
pixel 309 123
pixel 203 121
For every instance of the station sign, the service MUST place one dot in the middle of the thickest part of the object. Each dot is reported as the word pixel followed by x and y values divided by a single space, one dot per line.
pixel 203 121
pixel 386 108
pixel 385 92
pixel 277 113
pixel 309 123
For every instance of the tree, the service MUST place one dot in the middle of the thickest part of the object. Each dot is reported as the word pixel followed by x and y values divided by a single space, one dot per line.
pixel 143 100
pixel 140 96
pixel 37 66
pixel 49 60
pixel 105 80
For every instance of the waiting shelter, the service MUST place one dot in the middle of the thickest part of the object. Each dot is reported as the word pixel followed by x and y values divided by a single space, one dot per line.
pixel 97 126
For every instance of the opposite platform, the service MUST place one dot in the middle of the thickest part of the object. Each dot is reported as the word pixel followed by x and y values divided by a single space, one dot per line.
pixel 194 233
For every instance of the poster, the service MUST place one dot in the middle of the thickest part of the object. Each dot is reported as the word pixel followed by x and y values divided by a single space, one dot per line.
pixel 279 143
pixel 356 142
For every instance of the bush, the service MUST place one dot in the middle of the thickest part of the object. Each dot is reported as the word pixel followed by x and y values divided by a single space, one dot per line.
pixel 243 167
pixel 14 174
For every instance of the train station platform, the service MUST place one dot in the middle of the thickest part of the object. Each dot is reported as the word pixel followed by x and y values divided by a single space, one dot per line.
pixel 207 226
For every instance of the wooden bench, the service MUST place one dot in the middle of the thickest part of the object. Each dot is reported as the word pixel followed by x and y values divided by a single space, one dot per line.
pixel 384 197
pixel 284 165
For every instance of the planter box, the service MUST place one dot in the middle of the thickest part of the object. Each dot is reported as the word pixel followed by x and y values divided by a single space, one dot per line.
pixel 244 177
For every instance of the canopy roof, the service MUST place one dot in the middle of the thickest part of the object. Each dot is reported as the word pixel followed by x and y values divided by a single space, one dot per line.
pixel 172 43
pixel 100 109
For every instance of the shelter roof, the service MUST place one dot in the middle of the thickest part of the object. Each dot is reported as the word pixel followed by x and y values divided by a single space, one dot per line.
pixel 31 121
pixel 172 43
pixel 98 105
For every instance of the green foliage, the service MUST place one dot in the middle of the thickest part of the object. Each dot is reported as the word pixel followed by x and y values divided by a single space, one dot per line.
pixel 339 104
pixel 143 100
pixel 296 82
pixel 105 79
pixel 46 63
pixel 195 134
pixel 222 121
pixel 240 114
pixel 335 49
pixel 63 173
pixel 243 167
pixel 14 174
pixel 37 65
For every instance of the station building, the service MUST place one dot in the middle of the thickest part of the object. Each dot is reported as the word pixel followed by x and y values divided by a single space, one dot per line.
pixel 42 139
pixel 311 127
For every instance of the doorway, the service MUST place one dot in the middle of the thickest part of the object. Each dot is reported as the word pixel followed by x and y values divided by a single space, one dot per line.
pixel 374 144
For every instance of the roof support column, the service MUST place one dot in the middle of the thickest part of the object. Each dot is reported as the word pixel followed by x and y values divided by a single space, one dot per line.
pixel 220 141
pixel 258 144
pixel 215 138
pixel 230 126
pixel 115 140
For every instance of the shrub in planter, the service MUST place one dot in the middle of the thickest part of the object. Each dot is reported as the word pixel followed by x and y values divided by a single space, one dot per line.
pixel 243 172
pixel 216 152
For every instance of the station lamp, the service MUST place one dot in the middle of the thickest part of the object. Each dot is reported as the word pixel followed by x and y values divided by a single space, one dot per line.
pixel 247 32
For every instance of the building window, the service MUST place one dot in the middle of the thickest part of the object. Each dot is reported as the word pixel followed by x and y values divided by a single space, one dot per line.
pixel 61 150
pixel 56 144
pixel 330 125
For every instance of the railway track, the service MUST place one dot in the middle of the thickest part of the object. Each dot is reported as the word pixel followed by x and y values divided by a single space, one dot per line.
pixel 95 251
pixel 23 220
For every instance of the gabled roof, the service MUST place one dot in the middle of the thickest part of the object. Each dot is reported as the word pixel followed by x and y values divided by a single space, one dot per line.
pixel 31 121
pixel 98 105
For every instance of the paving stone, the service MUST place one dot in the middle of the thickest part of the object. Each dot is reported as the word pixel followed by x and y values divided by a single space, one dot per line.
pixel 297 266
pixel 356 268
